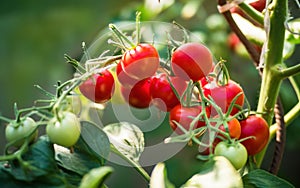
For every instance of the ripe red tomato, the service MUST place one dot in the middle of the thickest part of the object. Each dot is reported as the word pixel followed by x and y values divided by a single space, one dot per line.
pixel 224 95
pixel 184 116
pixel 140 62
pixel 192 61
pixel 162 93
pixel 257 127
pixel 99 87
pixel 139 95
pixel 124 79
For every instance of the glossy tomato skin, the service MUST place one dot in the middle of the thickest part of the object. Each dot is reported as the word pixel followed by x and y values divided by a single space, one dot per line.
pixel 184 116
pixel 162 93
pixel 140 62
pixel 65 130
pixel 99 88
pixel 124 79
pixel 236 153
pixel 223 95
pixel 17 131
pixel 192 61
pixel 254 126
pixel 139 95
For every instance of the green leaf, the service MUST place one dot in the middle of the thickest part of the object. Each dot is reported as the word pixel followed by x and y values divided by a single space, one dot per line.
pixel 127 138
pixel 78 162
pixel 159 177
pixel 94 141
pixel 260 179
pixel 38 161
pixel 216 173
pixel 96 177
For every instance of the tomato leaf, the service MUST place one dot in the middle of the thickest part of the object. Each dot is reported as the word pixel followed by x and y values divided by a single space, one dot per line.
pixel 127 138
pixel 260 179
pixel 96 177
pixel 159 177
pixel 218 172
pixel 78 162
pixel 94 141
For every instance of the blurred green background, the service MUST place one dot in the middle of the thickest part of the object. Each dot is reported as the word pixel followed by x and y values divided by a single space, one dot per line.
pixel 35 35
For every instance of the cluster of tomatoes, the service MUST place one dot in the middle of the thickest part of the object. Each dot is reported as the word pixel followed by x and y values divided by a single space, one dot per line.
pixel 144 82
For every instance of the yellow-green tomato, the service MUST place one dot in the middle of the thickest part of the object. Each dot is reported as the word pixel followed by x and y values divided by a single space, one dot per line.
pixel 18 131
pixel 236 153
pixel 64 130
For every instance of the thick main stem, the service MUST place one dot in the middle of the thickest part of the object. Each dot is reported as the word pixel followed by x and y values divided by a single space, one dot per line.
pixel 272 55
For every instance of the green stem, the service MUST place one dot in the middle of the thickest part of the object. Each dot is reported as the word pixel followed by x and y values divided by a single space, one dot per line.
pixel 131 162
pixel 138 27
pixel 290 71
pixel 252 12
pixel 295 86
pixel 271 80
pixel 120 35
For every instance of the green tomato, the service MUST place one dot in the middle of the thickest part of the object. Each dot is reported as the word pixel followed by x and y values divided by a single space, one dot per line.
pixel 236 153
pixel 17 132
pixel 64 130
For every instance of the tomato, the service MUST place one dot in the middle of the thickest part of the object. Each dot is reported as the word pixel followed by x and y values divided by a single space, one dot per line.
pixel 17 132
pixel 236 153
pixel 184 116
pixel 124 79
pixel 162 93
pixel 258 128
pixel 99 87
pixel 64 130
pixel 223 95
pixel 139 95
pixel 140 62
pixel 192 61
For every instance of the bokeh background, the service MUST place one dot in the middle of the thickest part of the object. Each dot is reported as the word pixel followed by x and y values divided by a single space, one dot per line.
pixel 35 35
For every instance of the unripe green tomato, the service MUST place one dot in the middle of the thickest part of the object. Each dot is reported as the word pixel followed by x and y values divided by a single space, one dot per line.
pixel 65 130
pixel 236 153
pixel 17 132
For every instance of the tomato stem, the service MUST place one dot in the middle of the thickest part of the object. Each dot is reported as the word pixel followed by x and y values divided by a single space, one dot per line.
pixel 252 12
pixel 121 36
pixel 138 27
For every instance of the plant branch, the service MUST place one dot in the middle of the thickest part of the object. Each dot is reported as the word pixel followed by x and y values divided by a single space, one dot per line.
pixel 290 71
pixel 252 12
pixel 131 162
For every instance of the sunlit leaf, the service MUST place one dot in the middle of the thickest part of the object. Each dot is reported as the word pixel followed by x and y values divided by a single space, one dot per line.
pixel 95 178
pixel 159 177
pixel 127 139
pixel 216 173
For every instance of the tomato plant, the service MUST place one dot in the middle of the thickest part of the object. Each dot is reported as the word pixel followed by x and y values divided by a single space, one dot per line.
pixel 162 93
pixel 256 129
pixel 192 61
pixel 99 87
pixel 124 79
pixel 236 153
pixel 64 129
pixel 16 132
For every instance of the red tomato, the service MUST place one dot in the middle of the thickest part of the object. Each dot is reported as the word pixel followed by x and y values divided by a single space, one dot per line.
pixel 162 93
pixel 184 116
pixel 99 87
pixel 257 127
pixel 140 62
pixel 139 95
pixel 192 61
pixel 124 79
pixel 224 95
